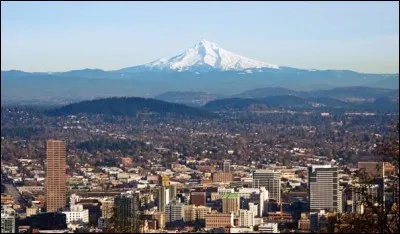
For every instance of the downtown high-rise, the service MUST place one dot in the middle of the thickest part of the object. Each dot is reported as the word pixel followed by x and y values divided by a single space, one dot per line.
pixel 55 175
pixel 163 198
pixel 269 179
pixel 127 211
pixel 323 187
pixel 174 213
pixel 226 166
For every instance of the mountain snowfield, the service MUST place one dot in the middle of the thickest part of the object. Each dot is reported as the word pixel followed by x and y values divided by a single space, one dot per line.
pixel 206 54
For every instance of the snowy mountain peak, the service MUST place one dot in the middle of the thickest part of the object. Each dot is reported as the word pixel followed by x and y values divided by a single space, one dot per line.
pixel 208 44
pixel 209 55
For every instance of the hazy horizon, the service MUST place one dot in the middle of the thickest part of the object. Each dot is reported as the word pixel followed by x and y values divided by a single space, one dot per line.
pixel 63 36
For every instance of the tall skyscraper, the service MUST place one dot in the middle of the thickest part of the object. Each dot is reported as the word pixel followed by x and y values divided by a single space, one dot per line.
pixel 226 166
pixel 55 175
pixel 271 180
pixel 323 187
pixel 172 192
pixel 127 211
pixel 263 201
pixel 163 198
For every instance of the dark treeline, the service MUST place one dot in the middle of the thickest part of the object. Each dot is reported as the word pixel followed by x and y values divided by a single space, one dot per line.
pixel 128 106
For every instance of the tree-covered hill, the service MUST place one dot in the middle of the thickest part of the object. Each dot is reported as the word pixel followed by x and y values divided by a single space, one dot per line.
pixel 129 106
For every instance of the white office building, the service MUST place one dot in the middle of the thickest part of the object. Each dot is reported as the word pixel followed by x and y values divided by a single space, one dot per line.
pixel 263 203
pixel 77 214
pixel 174 214
pixel 323 187
pixel 269 228
pixel 246 218
pixel 253 208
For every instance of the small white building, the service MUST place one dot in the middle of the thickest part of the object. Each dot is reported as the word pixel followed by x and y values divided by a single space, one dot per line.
pixel 77 214
pixel 246 218
pixel 7 223
pixel 269 228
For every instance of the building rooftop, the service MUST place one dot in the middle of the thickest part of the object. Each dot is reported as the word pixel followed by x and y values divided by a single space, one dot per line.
pixel 313 167
pixel 266 171
pixel 231 195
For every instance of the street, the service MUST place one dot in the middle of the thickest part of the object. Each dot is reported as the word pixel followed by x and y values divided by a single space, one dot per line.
pixel 10 189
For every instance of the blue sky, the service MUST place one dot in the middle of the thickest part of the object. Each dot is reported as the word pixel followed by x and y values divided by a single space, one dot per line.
pixel 61 36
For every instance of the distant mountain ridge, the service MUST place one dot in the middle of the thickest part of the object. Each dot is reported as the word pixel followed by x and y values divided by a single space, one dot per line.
pixel 351 98
pixel 295 102
pixel 338 93
pixel 206 67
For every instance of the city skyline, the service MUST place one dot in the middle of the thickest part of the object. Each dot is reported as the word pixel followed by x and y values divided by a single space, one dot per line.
pixel 200 117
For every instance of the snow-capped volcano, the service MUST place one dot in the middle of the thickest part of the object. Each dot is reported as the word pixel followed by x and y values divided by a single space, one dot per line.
pixel 208 55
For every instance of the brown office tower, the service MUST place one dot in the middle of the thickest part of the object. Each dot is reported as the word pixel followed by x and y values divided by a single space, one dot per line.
pixel 230 203
pixel 198 198
pixel 371 170
pixel 223 177
pixel 55 175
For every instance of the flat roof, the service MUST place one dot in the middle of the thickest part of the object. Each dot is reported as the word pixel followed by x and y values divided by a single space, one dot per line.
pixel 231 195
